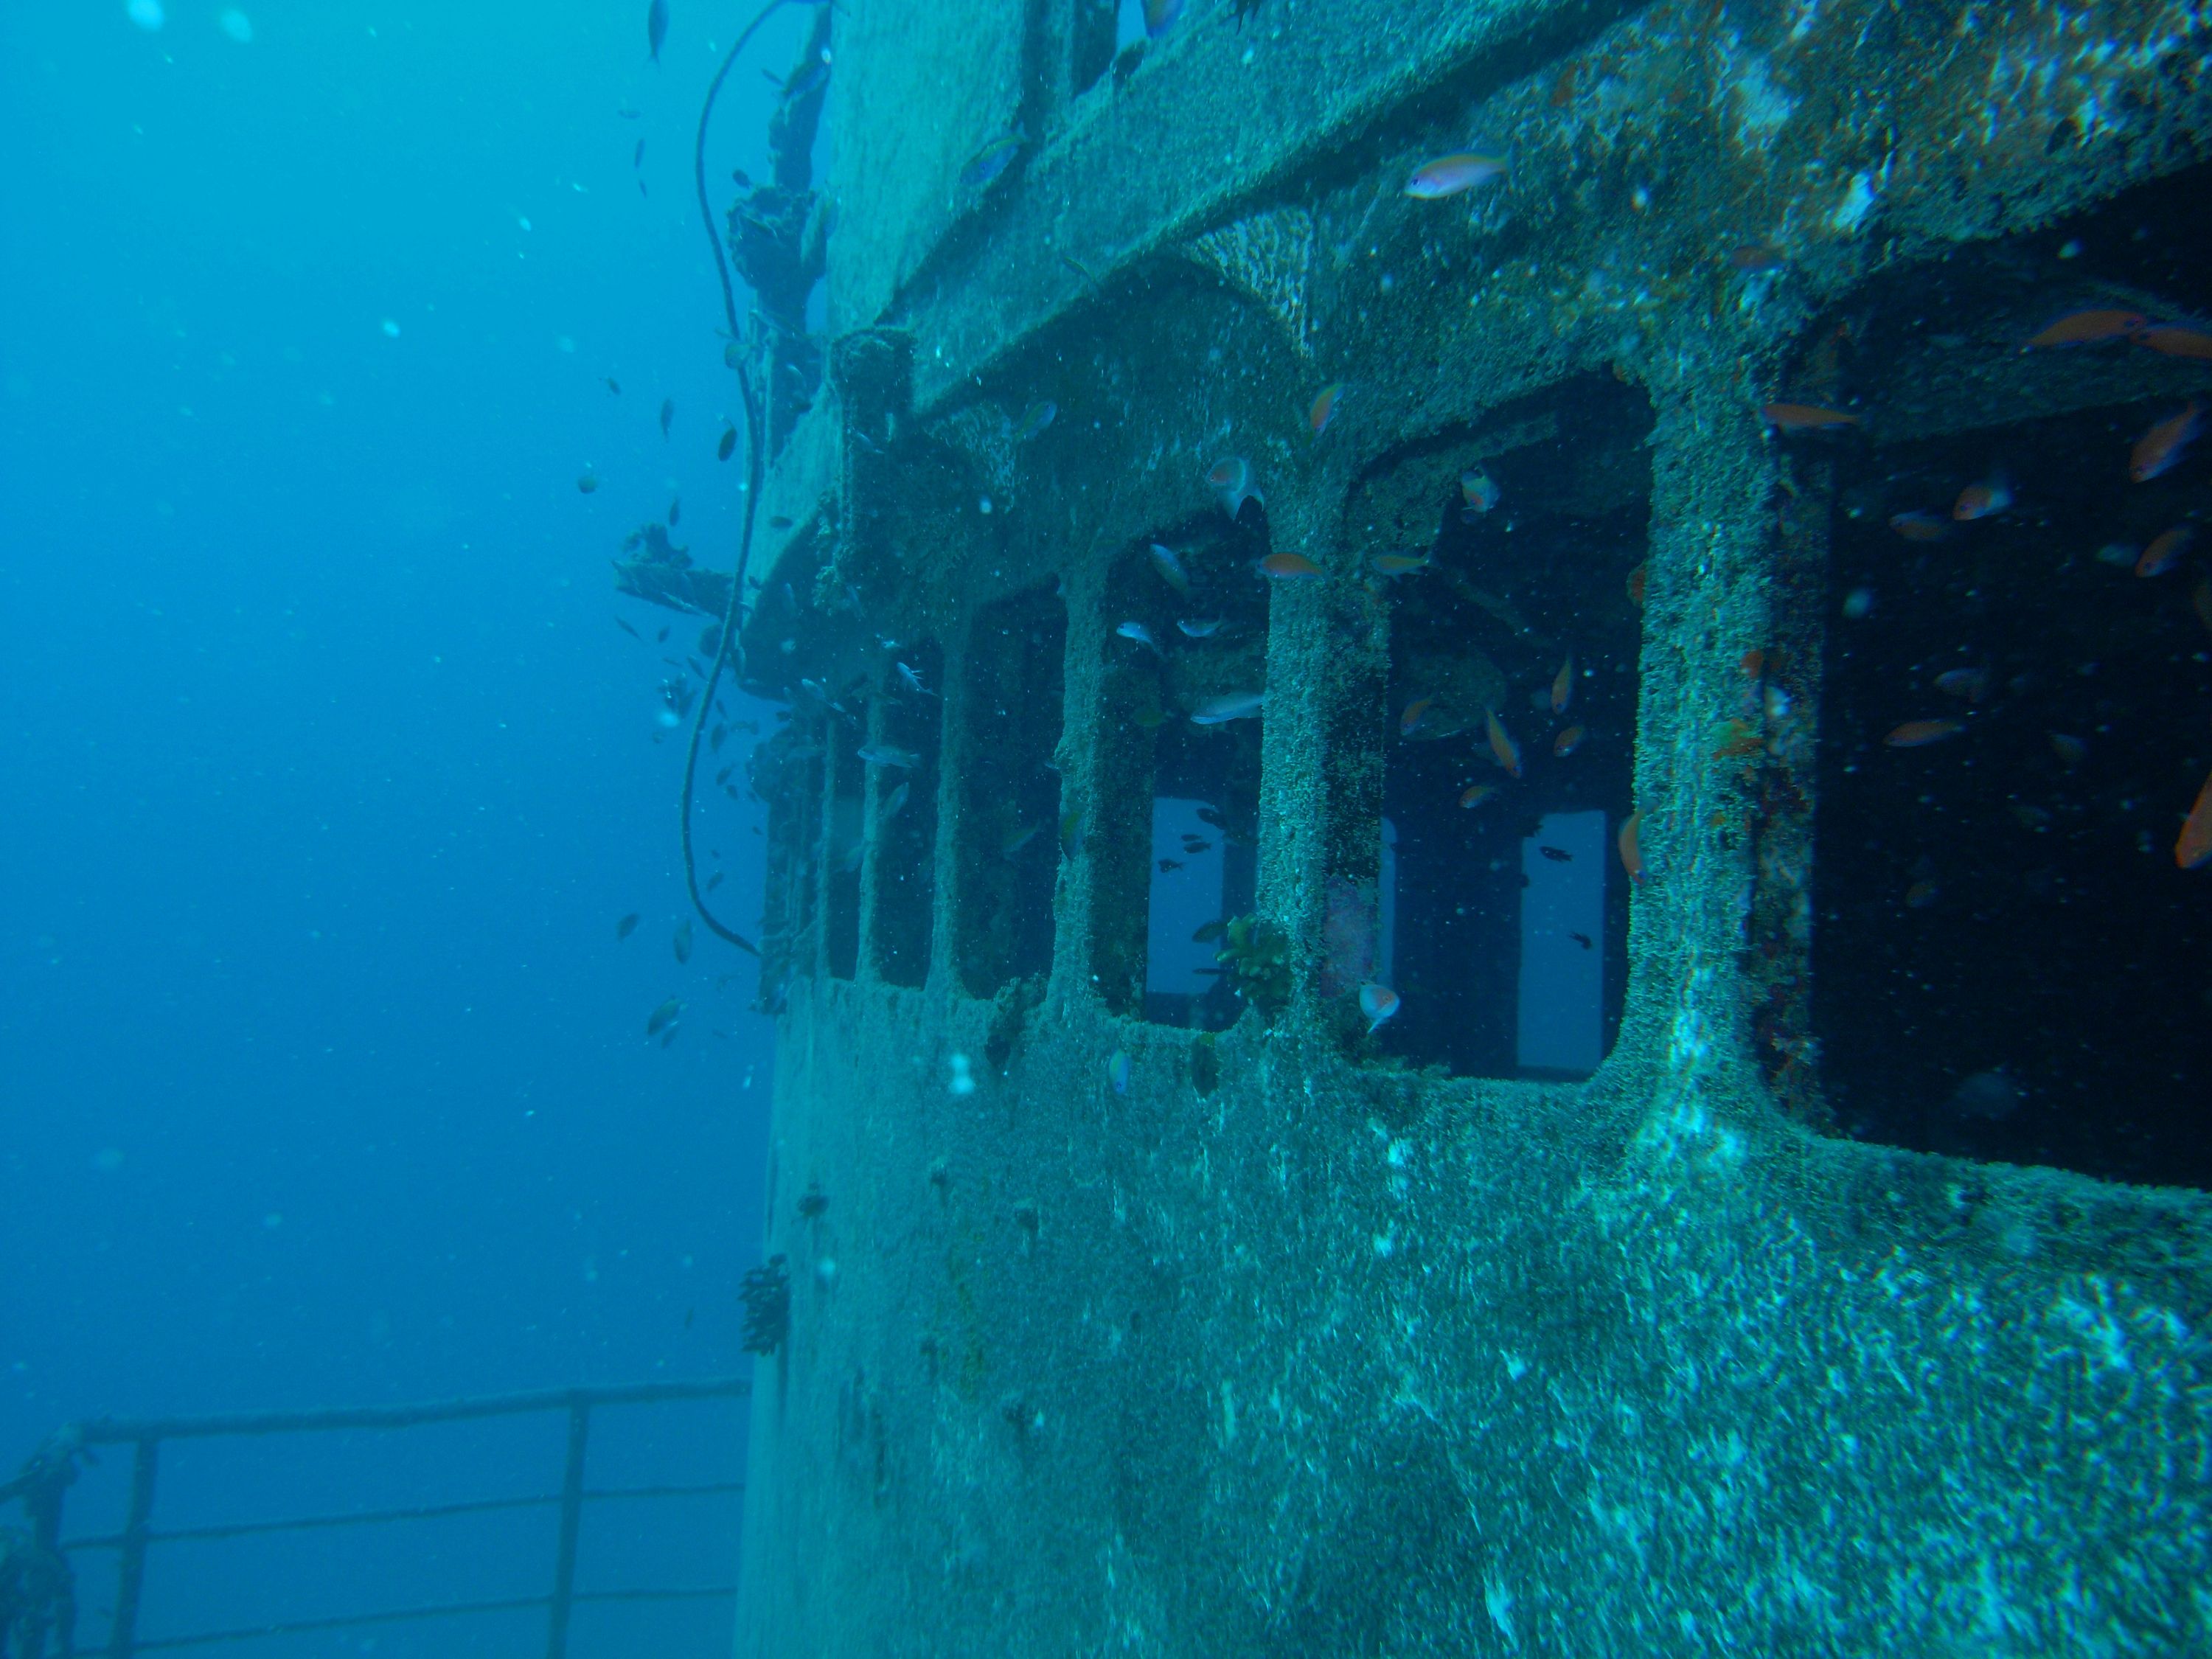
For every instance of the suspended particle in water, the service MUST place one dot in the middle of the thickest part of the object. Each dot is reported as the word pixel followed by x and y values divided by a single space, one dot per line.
pixel 237 25
pixel 146 14
pixel 1858 604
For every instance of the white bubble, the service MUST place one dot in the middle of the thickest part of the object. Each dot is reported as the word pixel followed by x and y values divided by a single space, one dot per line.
pixel 146 14
pixel 237 25
pixel 391 329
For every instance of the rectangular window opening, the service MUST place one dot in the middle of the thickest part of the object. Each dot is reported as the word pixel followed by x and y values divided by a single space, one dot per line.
pixel 2009 962
pixel 1511 557
pixel 785 771
pixel 844 845
pixel 1178 848
pixel 904 763
pixel 1009 862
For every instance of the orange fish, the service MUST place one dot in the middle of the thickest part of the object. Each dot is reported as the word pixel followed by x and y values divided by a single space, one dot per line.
pixel 1478 493
pixel 1630 843
pixel 1324 407
pixel 2164 551
pixel 1410 722
pixel 1805 418
pixel 2175 341
pixel 1474 797
pixel 1636 580
pixel 1563 686
pixel 1917 734
pixel 1290 567
pixel 1919 526
pixel 1755 256
pixel 1567 742
pixel 1754 663
pixel 2161 447
pixel 1399 564
pixel 1502 746
pixel 1984 500
pixel 2087 328
pixel 1231 478
pixel 2195 846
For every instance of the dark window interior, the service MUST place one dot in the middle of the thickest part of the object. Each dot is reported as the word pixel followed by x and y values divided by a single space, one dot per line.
pixel 785 772
pixel 1010 861
pixel 2007 962
pixel 1180 826
pixel 1504 907
pixel 840 918
pixel 1091 48
pixel 909 719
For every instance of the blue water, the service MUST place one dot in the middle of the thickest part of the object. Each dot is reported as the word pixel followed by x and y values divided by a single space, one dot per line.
pixel 326 769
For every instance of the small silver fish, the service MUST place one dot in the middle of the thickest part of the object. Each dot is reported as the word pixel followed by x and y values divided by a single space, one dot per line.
pixel 1199 630
pixel 1378 1003
pixel 993 159
pixel 912 681
pixel 1142 635
pixel 1234 706
pixel 1170 568
pixel 1035 419
pixel 893 802
pixel 663 1017
pixel 882 754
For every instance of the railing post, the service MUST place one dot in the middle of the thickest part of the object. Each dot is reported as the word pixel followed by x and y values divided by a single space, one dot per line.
pixel 130 1568
pixel 572 1516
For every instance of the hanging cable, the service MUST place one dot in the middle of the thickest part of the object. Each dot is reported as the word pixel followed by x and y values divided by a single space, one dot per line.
pixel 727 653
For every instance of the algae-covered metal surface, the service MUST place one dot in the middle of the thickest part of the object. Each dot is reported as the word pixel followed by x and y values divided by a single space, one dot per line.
pixel 1288 1314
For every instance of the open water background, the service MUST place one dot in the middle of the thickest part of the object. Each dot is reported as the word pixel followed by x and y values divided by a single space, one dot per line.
pixel 326 772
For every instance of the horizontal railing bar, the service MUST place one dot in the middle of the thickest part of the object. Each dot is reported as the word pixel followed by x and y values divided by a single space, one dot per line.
pixel 713 1489
pixel 310 1523
pixel 308 1626
pixel 369 1518
pixel 447 1610
pixel 119 1431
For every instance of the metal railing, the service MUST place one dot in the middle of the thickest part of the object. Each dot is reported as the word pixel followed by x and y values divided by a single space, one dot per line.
pixel 138 1534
